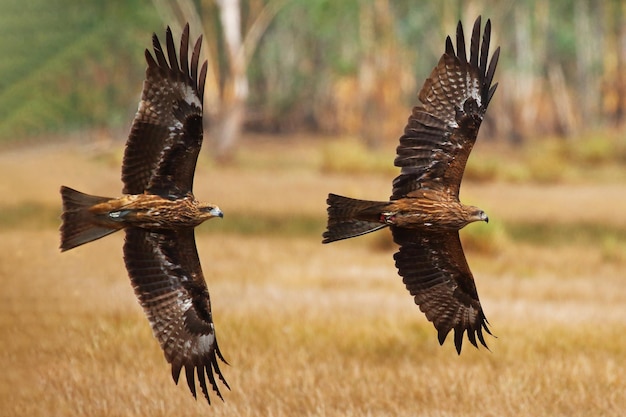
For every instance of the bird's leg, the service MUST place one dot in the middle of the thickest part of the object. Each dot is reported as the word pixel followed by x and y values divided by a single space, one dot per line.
pixel 387 217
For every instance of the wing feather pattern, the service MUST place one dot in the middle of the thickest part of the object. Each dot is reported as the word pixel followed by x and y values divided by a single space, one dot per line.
pixel 441 132
pixel 166 135
pixel 165 272
pixel 435 271
pixel 432 154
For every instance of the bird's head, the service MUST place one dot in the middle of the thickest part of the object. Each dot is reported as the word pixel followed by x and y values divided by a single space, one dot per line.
pixel 209 211
pixel 477 215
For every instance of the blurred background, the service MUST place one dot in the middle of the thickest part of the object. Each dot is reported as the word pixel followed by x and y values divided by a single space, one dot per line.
pixel 349 68
pixel 303 98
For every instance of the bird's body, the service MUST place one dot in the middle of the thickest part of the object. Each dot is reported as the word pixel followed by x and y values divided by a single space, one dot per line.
pixel 158 212
pixel 146 211
pixel 424 211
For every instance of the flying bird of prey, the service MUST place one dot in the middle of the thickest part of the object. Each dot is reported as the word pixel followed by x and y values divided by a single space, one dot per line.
pixel 424 212
pixel 158 211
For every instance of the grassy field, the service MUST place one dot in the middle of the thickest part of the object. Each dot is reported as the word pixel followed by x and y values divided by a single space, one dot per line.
pixel 311 329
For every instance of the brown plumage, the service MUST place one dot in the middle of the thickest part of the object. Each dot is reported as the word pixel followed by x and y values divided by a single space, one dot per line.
pixel 424 211
pixel 159 212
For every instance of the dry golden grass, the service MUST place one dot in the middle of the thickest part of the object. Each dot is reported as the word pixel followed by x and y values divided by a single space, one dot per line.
pixel 310 329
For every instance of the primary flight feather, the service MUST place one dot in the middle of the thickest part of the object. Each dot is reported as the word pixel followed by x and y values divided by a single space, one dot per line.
pixel 424 211
pixel 158 211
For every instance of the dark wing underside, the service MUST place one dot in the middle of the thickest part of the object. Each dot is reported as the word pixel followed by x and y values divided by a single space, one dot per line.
pixel 441 132
pixel 165 272
pixel 434 270
pixel 166 135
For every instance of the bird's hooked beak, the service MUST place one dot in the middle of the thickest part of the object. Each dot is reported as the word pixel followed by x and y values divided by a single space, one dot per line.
pixel 216 212
pixel 479 216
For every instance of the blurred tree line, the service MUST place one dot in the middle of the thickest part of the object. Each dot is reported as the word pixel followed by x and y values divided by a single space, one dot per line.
pixel 349 67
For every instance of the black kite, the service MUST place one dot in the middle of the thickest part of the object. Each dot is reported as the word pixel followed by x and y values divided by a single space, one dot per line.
pixel 425 213
pixel 159 212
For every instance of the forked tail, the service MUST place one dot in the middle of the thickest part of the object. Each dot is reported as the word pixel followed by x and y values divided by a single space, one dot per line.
pixel 349 217
pixel 80 225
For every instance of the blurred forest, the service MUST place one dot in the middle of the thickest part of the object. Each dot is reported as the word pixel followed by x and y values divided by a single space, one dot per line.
pixel 350 68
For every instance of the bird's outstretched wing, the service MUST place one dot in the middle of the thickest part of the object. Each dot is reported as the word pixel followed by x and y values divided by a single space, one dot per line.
pixel 165 272
pixel 441 131
pixel 166 135
pixel 434 270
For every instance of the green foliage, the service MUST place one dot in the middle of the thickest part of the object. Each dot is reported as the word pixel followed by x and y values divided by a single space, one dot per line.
pixel 486 168
pixel 546 162
pixel 77 68
pixel 596 149
pixel 30 215
pixel 247 224
pixel 605 236
pixel 308 44
pixel 593 156
pixel 71 65
pixel 613 248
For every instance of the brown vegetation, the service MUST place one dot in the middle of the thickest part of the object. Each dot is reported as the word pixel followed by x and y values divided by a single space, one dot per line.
pixel 314 330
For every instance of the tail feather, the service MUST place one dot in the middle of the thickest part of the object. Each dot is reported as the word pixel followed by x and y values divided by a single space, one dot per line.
pixel 349 217
pixel 80 225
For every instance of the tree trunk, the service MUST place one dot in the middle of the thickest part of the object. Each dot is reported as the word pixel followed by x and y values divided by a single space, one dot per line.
pixel 232 110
